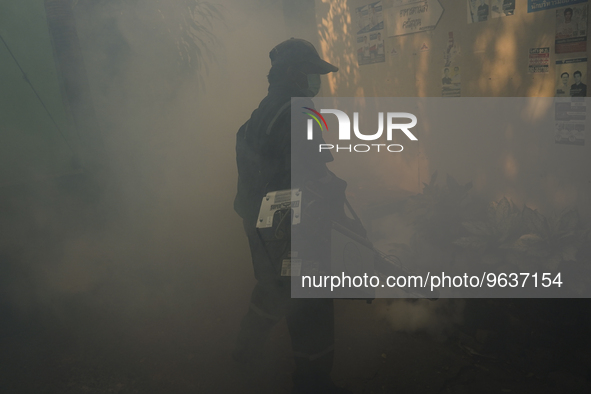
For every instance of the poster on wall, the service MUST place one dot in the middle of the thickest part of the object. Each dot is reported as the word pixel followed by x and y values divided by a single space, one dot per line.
pixel 571 78
pixel 539 60
pixel 570 107
pixel 370 34
pixel 451 82
pixel 451 53
pixel 571 29
pixel 501 8
pixel 413 16
pixel 540 5
pixel 451 78
pixel 478 10
pixel 569 127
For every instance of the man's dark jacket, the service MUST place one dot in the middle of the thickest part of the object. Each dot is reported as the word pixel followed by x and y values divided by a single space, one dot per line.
pixel 264 150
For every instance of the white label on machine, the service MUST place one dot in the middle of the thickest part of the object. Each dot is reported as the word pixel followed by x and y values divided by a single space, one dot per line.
pixel 279 200
pixel 291 267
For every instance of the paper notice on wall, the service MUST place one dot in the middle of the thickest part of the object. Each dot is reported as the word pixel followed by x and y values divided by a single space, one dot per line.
pixel 451 85
pixel 451 53
pixel 413 16
pixel 501 8
pixel 570 108
pixel 571 29
pixel 451 78
pixel 478 10
pixel 539 60
pixel 370 34
pixel 570 116
pixel 571 78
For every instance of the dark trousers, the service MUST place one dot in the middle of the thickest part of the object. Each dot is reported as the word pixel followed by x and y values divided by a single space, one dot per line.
pixel 310 321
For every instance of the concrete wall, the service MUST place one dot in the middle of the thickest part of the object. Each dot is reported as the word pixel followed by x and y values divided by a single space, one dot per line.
pixel 523 165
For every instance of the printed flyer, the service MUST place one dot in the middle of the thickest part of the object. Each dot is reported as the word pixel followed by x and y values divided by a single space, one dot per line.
pixel 539 60
pixel 571 29
pixel 451 78
pixel 370 34
pixel 570 107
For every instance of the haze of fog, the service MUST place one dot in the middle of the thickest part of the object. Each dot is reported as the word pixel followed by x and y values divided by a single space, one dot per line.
pixel 159 237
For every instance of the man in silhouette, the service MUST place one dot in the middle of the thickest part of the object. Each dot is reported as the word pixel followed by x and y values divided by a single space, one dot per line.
pixel 265 159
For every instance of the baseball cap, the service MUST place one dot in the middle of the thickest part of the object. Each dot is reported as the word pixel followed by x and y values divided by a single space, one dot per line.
pixel 296 50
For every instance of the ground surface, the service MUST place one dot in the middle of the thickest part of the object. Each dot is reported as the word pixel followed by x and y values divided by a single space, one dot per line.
pixel 190 353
